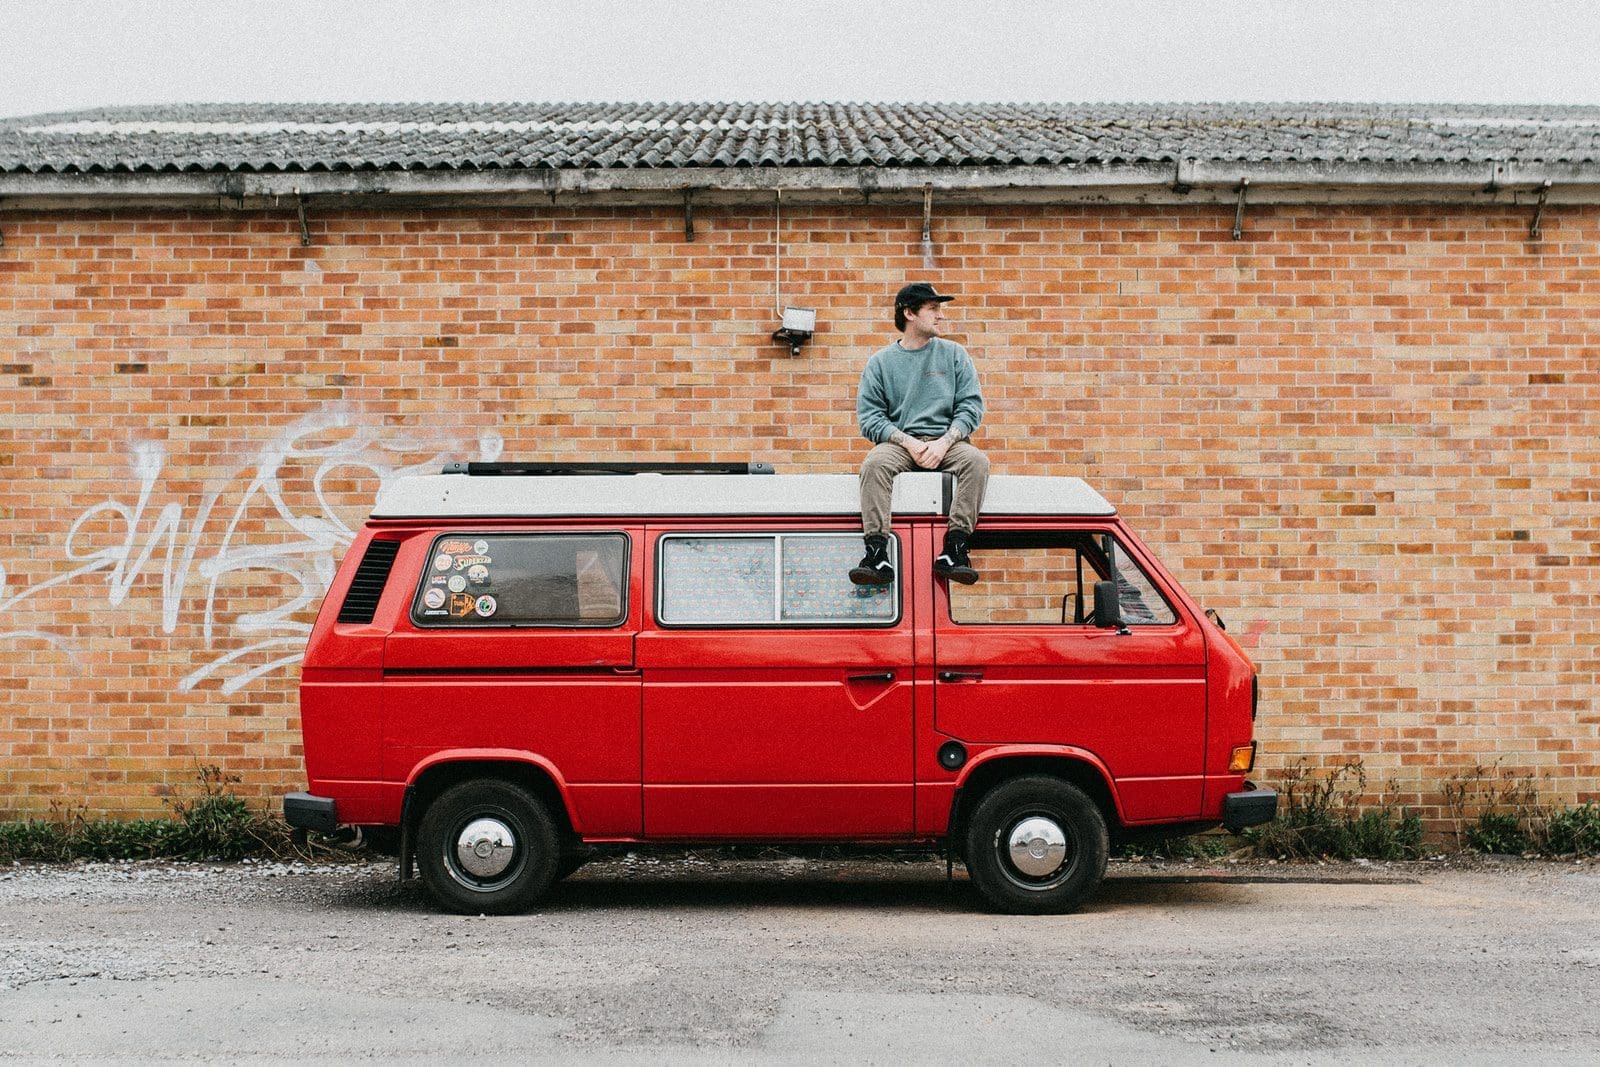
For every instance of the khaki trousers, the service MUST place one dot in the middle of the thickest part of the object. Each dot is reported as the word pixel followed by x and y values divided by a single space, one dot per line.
pixel 968 464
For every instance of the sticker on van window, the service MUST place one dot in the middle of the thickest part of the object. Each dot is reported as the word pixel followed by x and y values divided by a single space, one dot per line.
pixel 433 598
pixel 537 579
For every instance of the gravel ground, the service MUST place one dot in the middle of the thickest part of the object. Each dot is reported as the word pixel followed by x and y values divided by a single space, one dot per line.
pixel 697 956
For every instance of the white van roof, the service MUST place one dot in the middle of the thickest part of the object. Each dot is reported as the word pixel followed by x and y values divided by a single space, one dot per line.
pixel 465 496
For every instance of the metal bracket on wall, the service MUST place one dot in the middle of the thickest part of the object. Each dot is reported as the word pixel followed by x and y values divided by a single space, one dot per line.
pixel 305 231
pixel 1238 212
pixel 688 214
pixel 1534 232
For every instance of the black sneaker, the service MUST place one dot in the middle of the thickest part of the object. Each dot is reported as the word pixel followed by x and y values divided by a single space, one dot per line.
pixel 874 568
pixel 953 562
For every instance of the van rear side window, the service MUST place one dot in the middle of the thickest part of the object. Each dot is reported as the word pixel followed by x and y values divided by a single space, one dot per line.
pixel 800 579
pixel 488 579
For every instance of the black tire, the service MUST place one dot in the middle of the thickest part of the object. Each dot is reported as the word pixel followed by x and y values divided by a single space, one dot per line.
pixel 515 861
pixel 1062 842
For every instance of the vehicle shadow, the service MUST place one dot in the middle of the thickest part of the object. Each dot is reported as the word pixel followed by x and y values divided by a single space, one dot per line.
pixel 759 885
pixel 752 890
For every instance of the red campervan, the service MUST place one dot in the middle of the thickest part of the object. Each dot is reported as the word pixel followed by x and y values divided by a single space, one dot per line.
pixel 516 663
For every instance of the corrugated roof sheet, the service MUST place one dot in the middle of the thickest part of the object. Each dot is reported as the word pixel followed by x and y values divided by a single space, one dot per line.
pixel 341 137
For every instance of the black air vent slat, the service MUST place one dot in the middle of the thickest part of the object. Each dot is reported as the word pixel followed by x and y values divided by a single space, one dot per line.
pixel 361 603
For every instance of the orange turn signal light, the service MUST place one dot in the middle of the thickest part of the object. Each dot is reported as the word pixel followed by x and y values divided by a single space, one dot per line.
pixel 1243 759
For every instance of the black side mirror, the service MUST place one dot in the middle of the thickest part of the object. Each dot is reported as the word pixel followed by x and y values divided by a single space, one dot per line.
pixel 1107 607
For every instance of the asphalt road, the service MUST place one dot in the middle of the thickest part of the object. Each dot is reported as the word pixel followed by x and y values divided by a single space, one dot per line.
pixel 699 959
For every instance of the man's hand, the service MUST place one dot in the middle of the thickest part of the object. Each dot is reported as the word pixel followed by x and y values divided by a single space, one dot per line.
pixel 930 453
pixel 914 448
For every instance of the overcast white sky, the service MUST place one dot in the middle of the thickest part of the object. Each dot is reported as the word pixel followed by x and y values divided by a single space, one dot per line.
pixel 61 55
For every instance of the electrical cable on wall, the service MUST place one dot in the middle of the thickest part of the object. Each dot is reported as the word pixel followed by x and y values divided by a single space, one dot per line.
pixel 927 227
pixel 797 324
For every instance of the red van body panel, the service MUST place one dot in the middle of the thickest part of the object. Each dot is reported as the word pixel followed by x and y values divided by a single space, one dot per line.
pixel 653 732
pixel 1231 711
pixel 341 695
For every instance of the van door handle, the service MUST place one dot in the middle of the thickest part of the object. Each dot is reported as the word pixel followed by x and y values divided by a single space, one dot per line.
pixel 881 676
pixel 960 676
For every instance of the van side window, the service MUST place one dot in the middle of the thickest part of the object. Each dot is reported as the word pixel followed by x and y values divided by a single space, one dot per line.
pixel 1046 577
pixel 800 579
pixel 497 579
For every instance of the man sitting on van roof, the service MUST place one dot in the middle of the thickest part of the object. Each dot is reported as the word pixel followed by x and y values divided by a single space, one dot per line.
pixel 918 403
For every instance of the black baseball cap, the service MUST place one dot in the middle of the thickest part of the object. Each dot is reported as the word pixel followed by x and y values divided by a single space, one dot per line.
pixel 918 293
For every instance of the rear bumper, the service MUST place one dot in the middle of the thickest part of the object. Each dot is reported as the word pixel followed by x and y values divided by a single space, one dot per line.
pixel 1249 808
pixel 306 812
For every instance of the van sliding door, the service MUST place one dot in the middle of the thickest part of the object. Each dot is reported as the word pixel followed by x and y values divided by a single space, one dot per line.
pixel 777 695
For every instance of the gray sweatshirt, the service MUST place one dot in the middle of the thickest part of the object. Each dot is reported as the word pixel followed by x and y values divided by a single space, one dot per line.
pixel 923 392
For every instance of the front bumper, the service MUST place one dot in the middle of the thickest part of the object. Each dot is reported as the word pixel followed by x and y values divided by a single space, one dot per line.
pixel 1249 808
pixel 306 812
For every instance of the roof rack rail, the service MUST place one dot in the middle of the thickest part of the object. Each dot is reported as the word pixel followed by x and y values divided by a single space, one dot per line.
pixel 490 469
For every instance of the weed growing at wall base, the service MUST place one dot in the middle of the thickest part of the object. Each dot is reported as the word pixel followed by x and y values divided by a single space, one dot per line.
pixel 1574 831
pixel 1320 816
pixel 1497 810
pixel 218 825
pixel 214 824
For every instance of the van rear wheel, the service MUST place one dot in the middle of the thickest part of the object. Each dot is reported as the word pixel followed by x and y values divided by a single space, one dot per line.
pixel 1036 846
pixel 486 847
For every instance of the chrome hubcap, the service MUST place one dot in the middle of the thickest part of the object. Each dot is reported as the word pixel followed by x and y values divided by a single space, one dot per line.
pixel 485 848
pixel 1037 846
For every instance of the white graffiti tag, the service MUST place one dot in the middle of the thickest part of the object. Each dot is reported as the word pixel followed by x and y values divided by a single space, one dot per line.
pixel 302 554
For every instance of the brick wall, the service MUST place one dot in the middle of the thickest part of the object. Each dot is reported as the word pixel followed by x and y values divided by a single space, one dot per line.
pixel 1367 435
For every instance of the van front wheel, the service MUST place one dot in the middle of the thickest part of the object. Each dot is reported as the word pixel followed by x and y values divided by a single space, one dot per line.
pixel 1036 846
pixel 486 847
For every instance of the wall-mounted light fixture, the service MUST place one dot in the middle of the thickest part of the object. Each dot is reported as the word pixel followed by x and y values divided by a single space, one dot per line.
pixel 798 326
